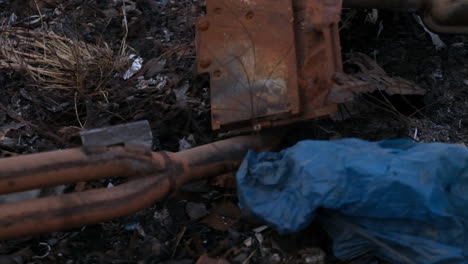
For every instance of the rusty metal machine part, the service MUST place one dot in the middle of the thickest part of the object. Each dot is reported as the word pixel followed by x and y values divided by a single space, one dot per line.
pixel 248 47
pixel 443 16
pixel 274 63
pixel 153 177
pixel 386 4
pixel 270 62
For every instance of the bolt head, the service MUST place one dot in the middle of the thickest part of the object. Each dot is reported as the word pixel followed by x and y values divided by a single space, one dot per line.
pixel 203 25
pixel 205 63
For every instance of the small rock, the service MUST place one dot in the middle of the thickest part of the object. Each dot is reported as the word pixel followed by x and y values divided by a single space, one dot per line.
pixel 52 241
pixel 180 94
pixel 275 258
pixel 8 142
pixel 205 259
pixel 248 242
pixel 458 45
pixel 11 260
pixel 265 252
pixel 187 142
pixel 181 261
pixel 240 258
pixel 259 238
pixel 313 256
pixel 184 145
pixel 233 235
pixel 313 260
pixel 260 229
pixel 156 67
pixel 162 216
pixel 111 13
pixel 196 210
pixel 153 245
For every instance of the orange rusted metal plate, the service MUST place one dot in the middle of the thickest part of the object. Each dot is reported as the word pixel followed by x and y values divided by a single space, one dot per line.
pixel 248 47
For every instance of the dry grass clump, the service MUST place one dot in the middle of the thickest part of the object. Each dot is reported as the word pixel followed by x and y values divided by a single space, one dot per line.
pixel 57 62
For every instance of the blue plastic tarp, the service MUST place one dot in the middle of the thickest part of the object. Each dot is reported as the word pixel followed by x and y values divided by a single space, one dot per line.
pixel 402 201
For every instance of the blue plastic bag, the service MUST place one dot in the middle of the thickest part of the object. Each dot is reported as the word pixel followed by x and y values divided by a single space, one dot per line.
pixel 404 202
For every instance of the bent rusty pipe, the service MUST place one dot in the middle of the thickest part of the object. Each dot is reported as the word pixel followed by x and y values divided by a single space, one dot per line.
pixel 170 170
pixel 68 166
pixel 444 16
pixel 447 16
pixel 385 4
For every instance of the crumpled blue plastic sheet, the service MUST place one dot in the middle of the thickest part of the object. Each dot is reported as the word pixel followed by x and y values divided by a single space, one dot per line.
pixel 401 201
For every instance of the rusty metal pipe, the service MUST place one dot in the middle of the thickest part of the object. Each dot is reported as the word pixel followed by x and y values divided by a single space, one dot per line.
pixel 385 4
pixel 69 166
pixel 444 16
pixel 171 170
pixel 448 16
pixel 77 209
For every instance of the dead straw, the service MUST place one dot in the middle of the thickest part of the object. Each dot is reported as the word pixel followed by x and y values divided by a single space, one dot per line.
pixel 56 62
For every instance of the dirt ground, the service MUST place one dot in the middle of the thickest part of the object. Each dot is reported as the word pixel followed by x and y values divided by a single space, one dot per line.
pixel 203 219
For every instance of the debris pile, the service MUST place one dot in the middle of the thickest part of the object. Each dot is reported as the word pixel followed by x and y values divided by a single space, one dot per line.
pixel 85 49
pixel 201 222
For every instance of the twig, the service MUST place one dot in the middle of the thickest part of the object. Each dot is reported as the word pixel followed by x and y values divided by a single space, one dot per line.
pixel 42 24
pixel 123 46
pixel 76 112
pixel 249 257
pixel 179 238
pixel 39 130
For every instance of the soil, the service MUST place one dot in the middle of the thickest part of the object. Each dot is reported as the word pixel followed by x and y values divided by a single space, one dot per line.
pixel 186 226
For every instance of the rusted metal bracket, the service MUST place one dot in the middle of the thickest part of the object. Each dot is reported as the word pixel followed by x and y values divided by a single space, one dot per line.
pixel 136 136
